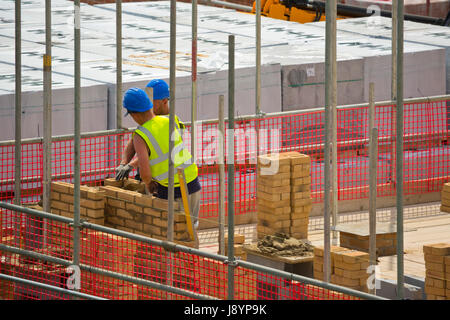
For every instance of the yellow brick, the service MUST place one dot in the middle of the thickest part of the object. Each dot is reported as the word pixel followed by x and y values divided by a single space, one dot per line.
pixel 95 213
pixel 92 204
pixel 144 200
pixel 440 249
pixel 435 266
pixel 112 182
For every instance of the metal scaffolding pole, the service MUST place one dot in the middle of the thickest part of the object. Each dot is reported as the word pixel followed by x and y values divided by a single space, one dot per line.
pixel 330 78
pixel 399 150
pixel 194 79
pixel 118 64
pixel 373 162
pixel 47 144
pixel 18 123
pixel 171 190
pixel 77 180
pixel 230 167
pixel 334 162
pixel 221 176
pixel 393 97
pixel 258 58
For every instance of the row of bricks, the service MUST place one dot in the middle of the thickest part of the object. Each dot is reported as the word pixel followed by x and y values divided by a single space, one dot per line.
pixel 137 198
pixel 91 193
pixel 445 198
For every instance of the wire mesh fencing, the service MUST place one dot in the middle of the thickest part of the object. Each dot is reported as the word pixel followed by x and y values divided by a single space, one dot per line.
pixel 115 265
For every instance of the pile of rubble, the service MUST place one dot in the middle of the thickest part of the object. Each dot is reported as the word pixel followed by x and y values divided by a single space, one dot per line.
pixel 281 244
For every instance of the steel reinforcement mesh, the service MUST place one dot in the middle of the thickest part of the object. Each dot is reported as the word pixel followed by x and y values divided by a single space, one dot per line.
pixel 426 155
pixel 131 258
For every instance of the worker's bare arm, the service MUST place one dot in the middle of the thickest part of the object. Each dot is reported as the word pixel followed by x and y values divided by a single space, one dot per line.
pixel 128 153
pixel 142 153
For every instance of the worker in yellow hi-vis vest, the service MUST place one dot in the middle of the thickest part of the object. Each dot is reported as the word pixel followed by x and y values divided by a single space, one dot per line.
pixel 158 92
pixel 150 142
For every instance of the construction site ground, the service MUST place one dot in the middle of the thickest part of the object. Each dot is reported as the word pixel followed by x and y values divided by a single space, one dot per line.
pixel 423 224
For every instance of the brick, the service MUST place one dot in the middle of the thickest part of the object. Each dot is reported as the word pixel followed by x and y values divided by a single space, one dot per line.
pixel 447 260
pixel 133 225
pixel 344 281
pixel 95 213
pixel 115 221
pixel 61 187
pixel 435 291
pixel 124 214
pixel 95 194
pixel 440 249
pixel 115 203
pixel 274 159
pixel 110 191
pixel 268 196
pixel 347 266
pixel 298 158
pixel 144 200
pixel 100 221
pixel 151 230
pixel 112 182
pixel 300 173
pixel 92 204
pixel 445 208
pixel 159 222
pixel 355 256
pixel 435 274
pixel 300 188
pixel 274 211
pixel 54 195
pixel 60 205
pixel 274 204
pixel 437 283
pixel 133 208
pixel 272 217
pixel 152 212
pixel 435 266
pixel 266 189
pixel 126 195
pixel 351 274
pixel 301 195
pixel 300 222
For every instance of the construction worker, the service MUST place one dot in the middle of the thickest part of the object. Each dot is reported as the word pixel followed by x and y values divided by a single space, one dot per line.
pixel 150 142
pixel 158 91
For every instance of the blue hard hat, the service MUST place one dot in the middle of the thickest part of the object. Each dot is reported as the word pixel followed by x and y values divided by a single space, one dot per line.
pixel 160 89
pixel 136 100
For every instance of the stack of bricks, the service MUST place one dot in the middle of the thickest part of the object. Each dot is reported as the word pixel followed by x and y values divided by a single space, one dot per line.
pixel 445 198
pixel 239 252
pixel 386 243
pixel 273 195
pixel 138 213
pixel 301 201
pixel 348 267
pixel 318 263
pixel 437 266
pixel 284 194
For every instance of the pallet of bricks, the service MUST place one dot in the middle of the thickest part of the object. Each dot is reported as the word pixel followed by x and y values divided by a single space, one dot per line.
pixel 283 194
pixel 348 267
pixel 6 238
pixel 437 268
pixel 445 198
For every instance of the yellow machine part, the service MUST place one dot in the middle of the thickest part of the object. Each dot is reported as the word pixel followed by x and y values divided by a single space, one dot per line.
pixel 274 9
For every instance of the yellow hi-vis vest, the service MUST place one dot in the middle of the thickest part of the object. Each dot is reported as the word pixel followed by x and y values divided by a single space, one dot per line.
pixel 155 133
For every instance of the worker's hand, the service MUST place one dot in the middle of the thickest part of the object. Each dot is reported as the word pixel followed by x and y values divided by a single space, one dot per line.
pixel 151 188
pixel 122 171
